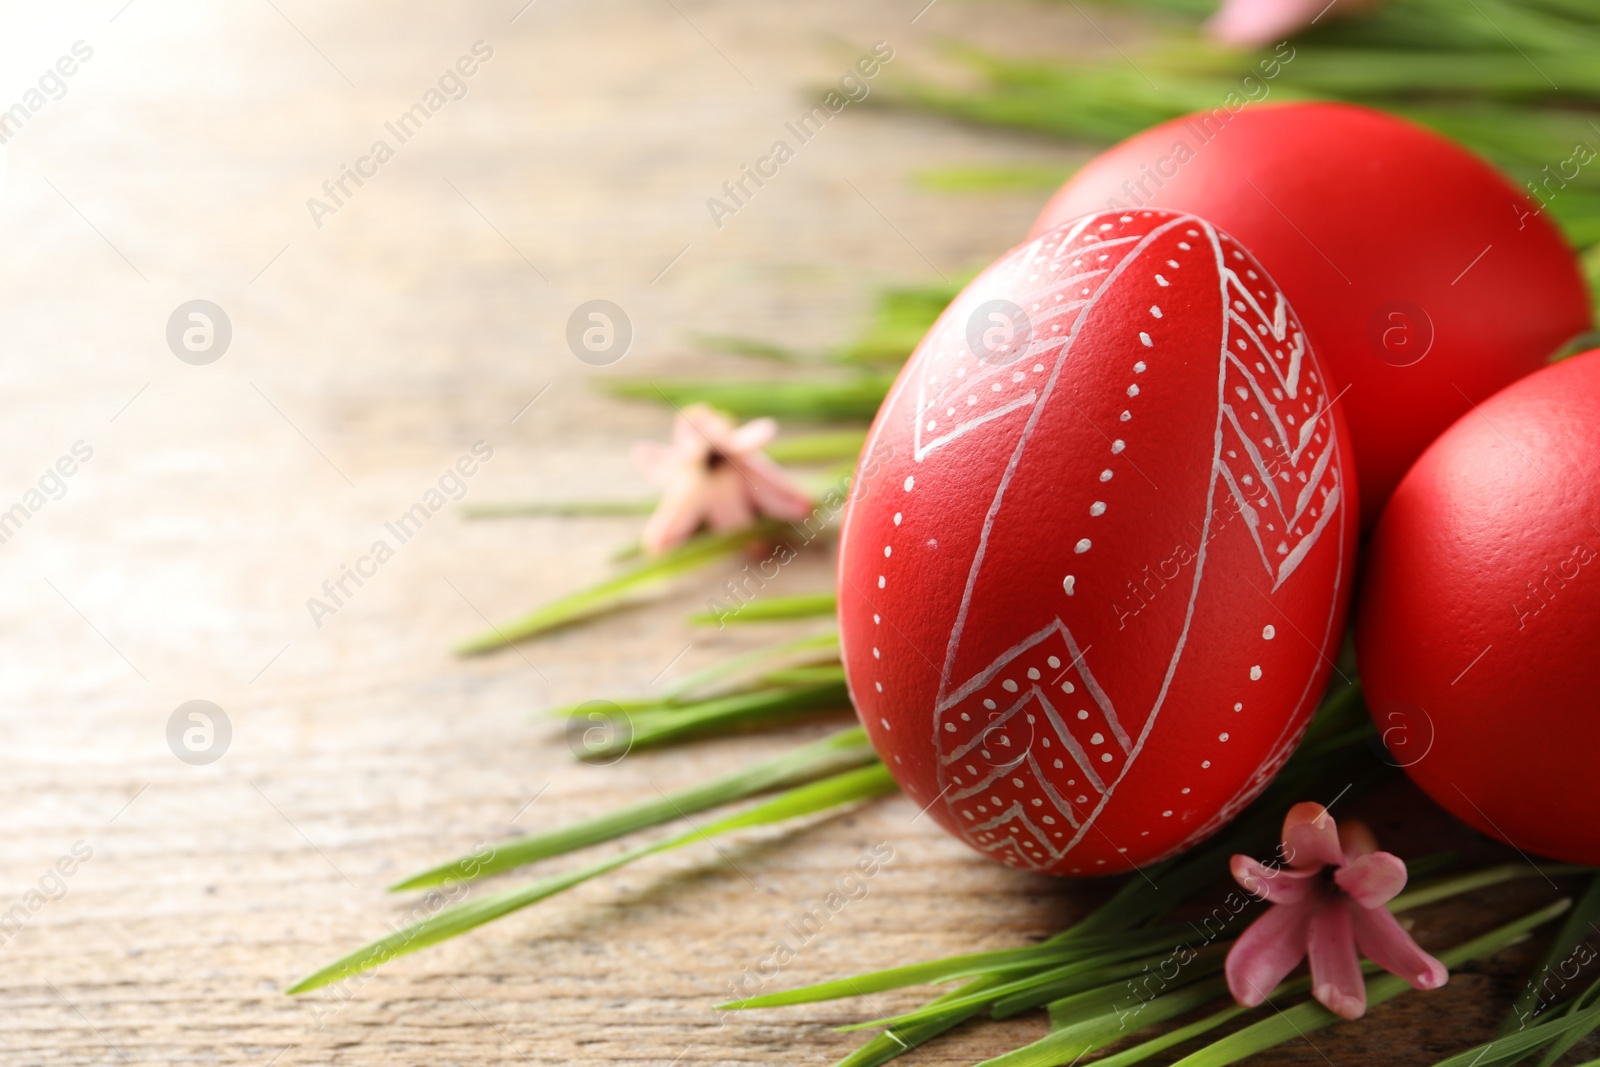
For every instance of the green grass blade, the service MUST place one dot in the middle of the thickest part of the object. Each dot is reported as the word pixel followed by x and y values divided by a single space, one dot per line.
pixel 758 706
pixel 800 650
pixel 457 920
pixel 1069 1006
pixel 1511 1048
pixel 637 580
pixel 812 675
pixel 1566 1041
pixel 993 179
pixel 745 346
pixel 1122 948
pixel 769 609
pixel 832 447
pixel 900 1040
pixel 849 787
pixel 1584 342
pixel 838 752
pixel 1455 885
pixel 1068 1044
pixel 854 399
pixel 901 318
pixel 1585 914
pixel 949 969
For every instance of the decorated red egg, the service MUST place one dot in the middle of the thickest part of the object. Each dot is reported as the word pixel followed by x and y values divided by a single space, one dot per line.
pixel 1423 276
pixel 1480 615
pixel 1096 557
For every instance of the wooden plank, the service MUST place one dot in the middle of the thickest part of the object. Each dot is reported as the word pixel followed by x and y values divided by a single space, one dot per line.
pixel 368 354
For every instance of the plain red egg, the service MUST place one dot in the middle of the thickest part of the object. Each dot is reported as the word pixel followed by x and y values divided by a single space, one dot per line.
pixel 1425 279
pixel 1480 615
pixel 1098 548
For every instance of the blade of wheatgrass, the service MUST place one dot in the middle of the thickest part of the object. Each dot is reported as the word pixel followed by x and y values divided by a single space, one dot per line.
pixel 1585 914
pixel 850 787
pixel 1302 1018
pixel 1094 994
pixel 1092 1003
pixel 1442 888
pixel 993 179
pixel 699 686
pixel 820 672
pixel 853 399
pixel 1511 1048
pixel 837 752
pixel 900 319
pixel 1578 345
pixel 942 970
pixel 745 346
pixel 1036 984
pixel 557 508
pixel 1564 1043
pixel 800 650
pixel 1030 990
pixel 902 1039
pixel 658 727
pixel 1125 948
pixel 768 609
pixel 1143 1051
pixel 830 447
pixel 637 580
pixel 1069 1043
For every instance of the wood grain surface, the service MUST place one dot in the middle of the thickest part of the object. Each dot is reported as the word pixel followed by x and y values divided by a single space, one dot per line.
pixel 372 347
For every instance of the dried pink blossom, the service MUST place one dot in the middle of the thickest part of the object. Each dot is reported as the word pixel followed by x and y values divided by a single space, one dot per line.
pixel 1327 902
pixel 1252 23
pixel 715 473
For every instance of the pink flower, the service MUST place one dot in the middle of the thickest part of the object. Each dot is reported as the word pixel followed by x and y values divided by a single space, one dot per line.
pixel 1250 23
pixel 715 473
pixel 1327 914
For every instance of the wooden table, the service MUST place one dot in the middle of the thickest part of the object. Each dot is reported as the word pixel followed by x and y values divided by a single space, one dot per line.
pixel 371 347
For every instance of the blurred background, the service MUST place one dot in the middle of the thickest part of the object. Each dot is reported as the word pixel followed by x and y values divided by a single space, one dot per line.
pixel 176 490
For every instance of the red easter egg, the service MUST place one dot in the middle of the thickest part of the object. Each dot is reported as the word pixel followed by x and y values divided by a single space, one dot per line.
pixel 1425 279
pixel 1096 555
pixel 1480 615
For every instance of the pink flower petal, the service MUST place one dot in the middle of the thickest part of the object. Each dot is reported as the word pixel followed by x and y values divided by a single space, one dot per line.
pixel 676 517
pixel 1265 953
pixel 654 461
pixel 1310 837
pixel 1383 941
pixel 728 495
pixel 700 430
pixel 727 501
pixel 1372 880
pixel 753 435
pixel 1247 23
pixel 774 492
pixel 1335 969
pixel 1356 839
pixel 1280 885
